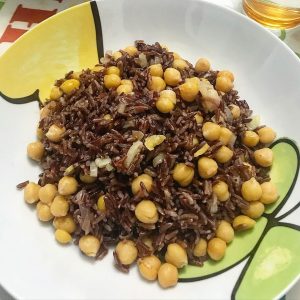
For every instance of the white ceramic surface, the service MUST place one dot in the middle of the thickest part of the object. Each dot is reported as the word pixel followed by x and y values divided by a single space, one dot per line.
pixel 32 264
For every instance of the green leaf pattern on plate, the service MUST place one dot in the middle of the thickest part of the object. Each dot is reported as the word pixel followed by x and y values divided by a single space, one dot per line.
pixel 274 266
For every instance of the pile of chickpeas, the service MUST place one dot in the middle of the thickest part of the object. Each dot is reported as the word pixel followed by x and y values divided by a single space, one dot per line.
pixel 52 200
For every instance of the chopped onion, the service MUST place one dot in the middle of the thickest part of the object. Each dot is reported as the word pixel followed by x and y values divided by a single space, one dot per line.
pixel 254 122
pixel 232 140
pixel 143 60
pixel 228 114
pixel 133 151
pixel 69 170
pixel 121 108
pixel 137 134
pixel 129 124
pixel 109 167
pixel 158 159
pixel 210 98
pixel 93 169
pixel 102 162
pixel 202 150
pixel 154 140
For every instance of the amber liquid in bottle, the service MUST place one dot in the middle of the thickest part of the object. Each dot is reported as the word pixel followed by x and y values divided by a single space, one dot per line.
pixel 282 15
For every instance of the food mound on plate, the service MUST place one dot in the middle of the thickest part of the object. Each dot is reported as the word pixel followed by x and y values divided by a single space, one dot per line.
pixel 153 155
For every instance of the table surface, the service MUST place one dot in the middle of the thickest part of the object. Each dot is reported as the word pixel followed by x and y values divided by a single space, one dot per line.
pixel 23 15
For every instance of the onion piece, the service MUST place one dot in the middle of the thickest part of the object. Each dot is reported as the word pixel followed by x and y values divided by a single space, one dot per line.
pixel 154 140
pixel 109 167
pixel 202 150
pixel 102 162
pixel 158 159
pixel 128 124
pixel 232 140
pixel 143 60
pixel 121 108
pixel 133 151
pixel 93 169
pixel 137 134
pixel 228 114
pixel 210 98
pixel 254 123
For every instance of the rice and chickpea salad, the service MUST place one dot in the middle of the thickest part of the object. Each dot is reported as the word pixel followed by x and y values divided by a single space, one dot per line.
pixel 153 155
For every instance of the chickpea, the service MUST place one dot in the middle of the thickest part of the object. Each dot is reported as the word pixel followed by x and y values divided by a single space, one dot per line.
pixel 176 55
pixel 62 236
pixel 226 73
pixel 127 82
pixel 250 138
pixel 266 135
pixel 251 190
pixel 39 133
pixel 47 193
pixel 202 65
pixel 221 191
pixel 112 81
pixel 55 133
pixel 43 212
pixel 200 248
pixel 98 69
pixel 255 210
pixel 55 93
pixel 269 193
pixel 156 84
pixel 167 275
pixel 31 192
pixel 216 248
pixel 189 91
pixel 207 167
pixel 183 174
pixel 172 76
pixel 70 86
pixel 87 178
pixel 35 150
pixel 199 119
pixel 131 50
pixel 59 207
pixel 225 135
pixel 243 223
pixel 146 212
pixel 76 75
pixel 113 70
pixel 225 232
pixel 211 131
pixel 176 255
pixel 223 155
pixel 194 80
pixel 156 70
pixel 149 266
pixel 46 110
pixel 264 157
pixel 67 186
pixel 126 252
pixel 89 245
pixel 116 55
pixel 223 84
pixel 65 223
pixel 145 179
pixel 180 64
pixel 235 110
pixel 168 94
pixel 124 89
pixel 101 204
pixel 164 105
